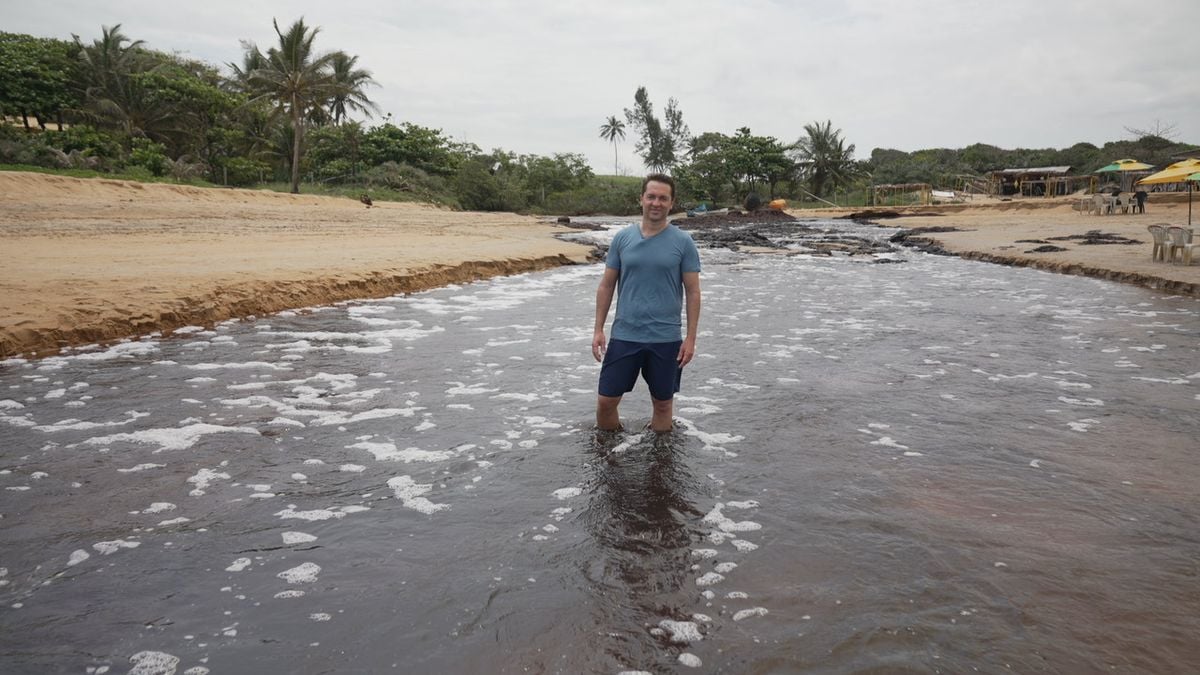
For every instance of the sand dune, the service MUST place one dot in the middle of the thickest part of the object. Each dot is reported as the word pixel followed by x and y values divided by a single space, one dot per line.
pixel 89 260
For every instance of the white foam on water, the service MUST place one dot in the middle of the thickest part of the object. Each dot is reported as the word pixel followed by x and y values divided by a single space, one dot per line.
pixel 709 579
pixel 292 538
pixel 424 426
pixel 387 452
pixel 513 396
pixel 690 660
pixel 123 350
pixel 704 553
pixel 17 421
pixel 247 386
pixel 174 521
pixel 887 442
pixel 567 493
pixel 747 613
pixel 711 441
pixel 159 507
pixel 1036 463
pixel 737 595
pixel 54 393
pixel 722 522
pixel 725 567
pixel 1084 402
pixel 682 632
pixel 1174 380
pixel 352 468
pixel 153 663
pixel 141 467
pixel 9 404
pixel 239 565
pixel 320 616
pixel 749 504
pixel 78 556
pixel 304 573
pixel 201 380
pixel 248 365
pixel 203 478
pixel 290 513
pixel 462 389
pixel 111 547
pixel 293 593
pixel 409 492
pixel 180 438
pixel 1082 425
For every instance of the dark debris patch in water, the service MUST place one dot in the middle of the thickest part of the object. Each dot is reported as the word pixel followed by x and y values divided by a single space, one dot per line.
pixel 768 229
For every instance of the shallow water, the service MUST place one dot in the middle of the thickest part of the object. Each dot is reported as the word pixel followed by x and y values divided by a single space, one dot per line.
pixel 932 466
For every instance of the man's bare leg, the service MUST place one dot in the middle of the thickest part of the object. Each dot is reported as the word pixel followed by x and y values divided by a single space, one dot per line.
pixel 607 417
pixel 664 418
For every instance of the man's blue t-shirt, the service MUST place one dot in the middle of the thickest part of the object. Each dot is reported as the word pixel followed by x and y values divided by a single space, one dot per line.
pixel 650 285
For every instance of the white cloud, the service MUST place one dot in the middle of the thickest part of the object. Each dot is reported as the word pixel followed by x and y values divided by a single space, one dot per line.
pixel 541 76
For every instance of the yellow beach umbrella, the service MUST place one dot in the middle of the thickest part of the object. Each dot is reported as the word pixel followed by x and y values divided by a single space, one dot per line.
pixel 1179 172
pixel 1176 173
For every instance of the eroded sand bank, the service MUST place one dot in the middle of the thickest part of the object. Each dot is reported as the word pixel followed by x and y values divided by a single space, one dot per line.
pixel 87 260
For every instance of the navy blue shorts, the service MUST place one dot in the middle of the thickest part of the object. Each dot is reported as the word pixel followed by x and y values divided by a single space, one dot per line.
pixel 656 361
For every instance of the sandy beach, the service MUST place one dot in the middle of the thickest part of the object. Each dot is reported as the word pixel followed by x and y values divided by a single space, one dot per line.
pixel 91 260
pixel 1006 232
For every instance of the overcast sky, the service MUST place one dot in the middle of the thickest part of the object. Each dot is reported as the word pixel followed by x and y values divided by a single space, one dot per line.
pixel 541 76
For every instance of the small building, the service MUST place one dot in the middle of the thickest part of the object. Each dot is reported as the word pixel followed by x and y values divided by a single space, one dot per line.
pixel 1038 181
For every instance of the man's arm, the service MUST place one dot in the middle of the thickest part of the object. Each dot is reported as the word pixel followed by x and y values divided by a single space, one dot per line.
pixel 604 296
pixel 691 289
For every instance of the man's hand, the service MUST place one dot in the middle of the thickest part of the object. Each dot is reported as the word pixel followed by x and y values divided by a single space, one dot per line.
pixel 686 351
pixel 598 345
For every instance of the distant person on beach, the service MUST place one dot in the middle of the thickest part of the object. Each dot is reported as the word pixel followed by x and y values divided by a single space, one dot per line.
pixel 651 267
pixel 1140 196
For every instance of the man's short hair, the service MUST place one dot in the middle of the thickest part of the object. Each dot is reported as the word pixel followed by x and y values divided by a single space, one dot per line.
pixel 659 178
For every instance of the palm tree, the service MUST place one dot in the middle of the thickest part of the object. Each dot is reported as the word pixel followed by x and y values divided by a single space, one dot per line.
pixel 611 131
pixel 349 84
pixel 295 79
pixel 106 60
pixel 824 158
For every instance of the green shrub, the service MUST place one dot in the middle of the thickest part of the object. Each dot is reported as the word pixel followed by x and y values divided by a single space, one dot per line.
pixel 241 172
pixel 148 155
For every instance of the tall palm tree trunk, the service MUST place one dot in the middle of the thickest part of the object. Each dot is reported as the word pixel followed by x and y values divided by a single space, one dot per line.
pixel 615 170
pixel 297 132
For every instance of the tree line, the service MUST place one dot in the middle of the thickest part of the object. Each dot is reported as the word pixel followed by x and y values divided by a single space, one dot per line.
pixel 723 168
pixel 283 115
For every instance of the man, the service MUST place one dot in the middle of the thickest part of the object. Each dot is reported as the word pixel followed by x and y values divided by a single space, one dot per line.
pixel 650 266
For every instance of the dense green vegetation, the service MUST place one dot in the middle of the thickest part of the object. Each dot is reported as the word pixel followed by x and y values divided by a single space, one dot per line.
pixel 280 119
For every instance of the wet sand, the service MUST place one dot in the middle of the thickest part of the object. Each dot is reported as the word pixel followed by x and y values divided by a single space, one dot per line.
pixel 91 260
pixel 993 232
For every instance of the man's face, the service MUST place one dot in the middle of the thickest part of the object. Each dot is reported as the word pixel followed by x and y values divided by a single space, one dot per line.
pixel 657 201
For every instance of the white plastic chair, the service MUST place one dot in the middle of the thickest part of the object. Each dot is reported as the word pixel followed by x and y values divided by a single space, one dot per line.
pixel 1099 202
pixel 1159 233
pixel 1181 242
